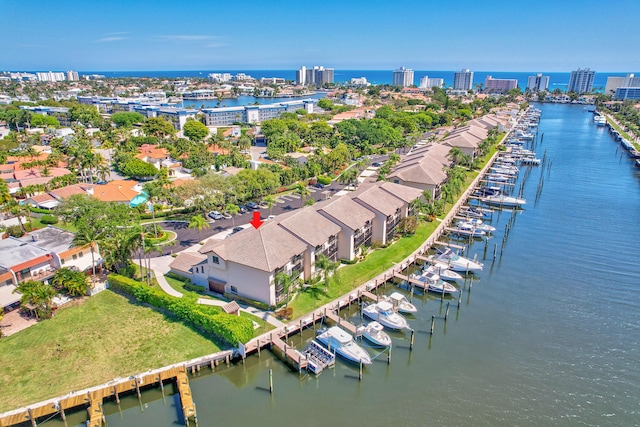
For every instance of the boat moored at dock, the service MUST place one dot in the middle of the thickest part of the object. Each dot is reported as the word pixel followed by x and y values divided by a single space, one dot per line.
pixel 344 345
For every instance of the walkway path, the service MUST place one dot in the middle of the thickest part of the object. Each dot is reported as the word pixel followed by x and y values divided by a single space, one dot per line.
pixel 160 267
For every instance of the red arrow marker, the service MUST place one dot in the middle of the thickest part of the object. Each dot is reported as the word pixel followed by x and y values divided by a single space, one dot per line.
pixel 256 222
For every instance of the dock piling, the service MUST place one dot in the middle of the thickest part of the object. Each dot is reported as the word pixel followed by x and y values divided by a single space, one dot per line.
pixel 446 313
pixel 411 342
pixel 433 323
pixel 271 381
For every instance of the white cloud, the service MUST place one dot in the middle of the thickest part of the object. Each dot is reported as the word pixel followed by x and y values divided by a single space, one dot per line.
pixel 109 39
pixel 187 37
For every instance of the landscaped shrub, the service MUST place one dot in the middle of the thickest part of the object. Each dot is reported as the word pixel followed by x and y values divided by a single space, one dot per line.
pixel 324 180
pixel 49 219
pixel 232 329
pixel 249 301
pixel 176 276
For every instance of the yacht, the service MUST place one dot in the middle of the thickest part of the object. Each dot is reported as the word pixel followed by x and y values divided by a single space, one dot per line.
pixel 443 271
pixel 504 201
pixel 478 224
pixel 600 120
pixel 457 262
pixel 383 312
pixel 433 283
pixel 375 334
pixel 344 345
pixel 466 229
pixel 400 303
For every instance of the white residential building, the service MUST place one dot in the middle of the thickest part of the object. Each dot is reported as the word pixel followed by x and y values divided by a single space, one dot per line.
pixel 581 81
pixel 428 83
pixel 538 83
pixel 463 80
pixel 403 77
pixel 51 77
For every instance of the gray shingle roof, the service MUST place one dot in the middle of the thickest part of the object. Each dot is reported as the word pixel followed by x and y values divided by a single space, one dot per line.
pixel 309 226
pixel 348 212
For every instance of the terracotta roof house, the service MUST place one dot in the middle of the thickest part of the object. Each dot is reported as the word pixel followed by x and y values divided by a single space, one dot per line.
pixel 158 157
pixel 122 191
pixel 247 263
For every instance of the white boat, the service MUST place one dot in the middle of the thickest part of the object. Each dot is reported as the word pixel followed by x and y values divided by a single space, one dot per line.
pixel 478 224
pixel 530 161
pixel 375 334
pixel 383 312
pixel 506 201
pixel 600 120
pixel 400 303
pixel 433 283
pixel 457 262
pixel 443 271
pixel 467 229
pixel 474 212
pixel 344 345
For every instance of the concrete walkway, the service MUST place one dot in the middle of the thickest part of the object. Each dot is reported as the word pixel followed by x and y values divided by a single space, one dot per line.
pixel 160 267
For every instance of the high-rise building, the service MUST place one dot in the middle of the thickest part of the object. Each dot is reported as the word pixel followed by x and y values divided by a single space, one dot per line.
pixel 318 75
pixel 463 80
pixel 301 76
pixel 613 83
pixel 538 83
pixel 51 77
pixel 403 77
pixel 581 81
pixel 428 83
pixel 623 93
pixel 73 76
pixel 492 85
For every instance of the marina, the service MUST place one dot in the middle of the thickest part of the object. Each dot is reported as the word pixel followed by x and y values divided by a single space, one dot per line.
pixel 513 350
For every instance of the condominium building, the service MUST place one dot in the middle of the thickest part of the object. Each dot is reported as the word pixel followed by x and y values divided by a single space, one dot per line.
pixel 581 81
pixel 254 113
pixel 72 76
pixel 492 85
pixel 318 75
pixel 463 80
pixel 50 77
pixel 538 83
pixel 220 77
pixel 403 77
pixel 428 83
pixel 613 83
pixel 623 93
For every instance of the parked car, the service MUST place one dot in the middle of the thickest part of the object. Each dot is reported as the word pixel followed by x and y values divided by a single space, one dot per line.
pixel 376 164
pixel 236 230
pixel 243 209
pixel 215 215
pixel 318 185
pixel 253 205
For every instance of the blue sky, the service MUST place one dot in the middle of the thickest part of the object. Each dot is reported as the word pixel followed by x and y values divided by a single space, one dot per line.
pixel 516 35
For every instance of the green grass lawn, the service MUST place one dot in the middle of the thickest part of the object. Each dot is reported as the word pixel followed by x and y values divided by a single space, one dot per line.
pixel 102 338
pixel 624 134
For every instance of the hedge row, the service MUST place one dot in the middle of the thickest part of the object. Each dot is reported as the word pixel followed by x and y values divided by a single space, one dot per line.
pixel 231 328
pixel 325 180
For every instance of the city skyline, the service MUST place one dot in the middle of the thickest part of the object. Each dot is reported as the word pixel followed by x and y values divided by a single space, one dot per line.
pixel 254 35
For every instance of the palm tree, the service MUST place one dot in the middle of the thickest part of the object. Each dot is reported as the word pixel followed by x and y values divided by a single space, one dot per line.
pixel 283 281
pixel 199 222
pixel 350 176
pixel 270 201
pixel 88 234
pixel 327 266
pixel 232 210
pixel 303 191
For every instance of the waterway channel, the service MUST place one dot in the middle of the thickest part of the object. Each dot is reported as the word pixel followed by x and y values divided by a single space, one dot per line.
pixel 548 335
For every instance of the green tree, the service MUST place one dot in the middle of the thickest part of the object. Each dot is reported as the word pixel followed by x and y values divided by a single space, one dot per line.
pixel 283 284
pixel 270 201
pixel 195 130
pixel 232 210
pixel 158 127
pixel 126 118
pixel 137 168
pixel 199 222
pixel 303 191
pixel 38 295
pixel 40 120
pixel 74 282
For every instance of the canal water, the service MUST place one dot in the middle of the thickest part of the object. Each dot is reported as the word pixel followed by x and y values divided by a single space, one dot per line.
pixel 548 334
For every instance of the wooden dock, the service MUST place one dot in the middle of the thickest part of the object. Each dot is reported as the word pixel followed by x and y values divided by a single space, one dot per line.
pixel 290 353
pixel 416 283
pixel 349 327
pixel 188 407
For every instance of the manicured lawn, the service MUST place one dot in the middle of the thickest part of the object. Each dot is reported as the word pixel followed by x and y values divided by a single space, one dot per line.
pixel 64 225
pixel 179 286
pixel 624 134
pixel 91 343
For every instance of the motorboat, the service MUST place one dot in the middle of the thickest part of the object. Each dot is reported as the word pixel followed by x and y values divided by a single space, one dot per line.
pixel 478 224
pixel 383 312
pixel 475 212
pixel 433 283
pixel 375 334
pixel 457 262
pixel 497 177
pixel 530 161
pixel 600 120
pixel 400 303
pixel 487 191
pixel 466 229
pixel 443 271
pixel 338 340
pixel 504 201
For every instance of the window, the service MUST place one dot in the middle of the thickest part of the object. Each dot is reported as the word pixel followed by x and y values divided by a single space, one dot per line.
pixel 62 261
pixel 214 259
pixel 79 254
pixel 74 256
